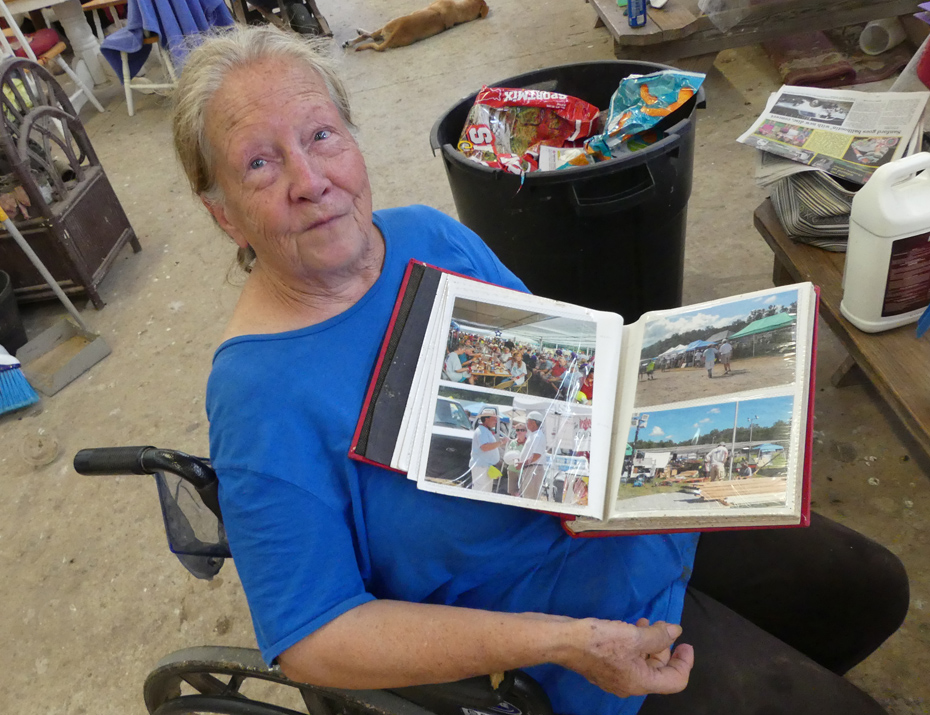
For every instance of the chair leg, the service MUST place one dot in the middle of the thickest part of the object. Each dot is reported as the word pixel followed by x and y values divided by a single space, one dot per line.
pixel 95 298
pixel 165 59
pixel 126 83
pixel 98 25
pixel 80 83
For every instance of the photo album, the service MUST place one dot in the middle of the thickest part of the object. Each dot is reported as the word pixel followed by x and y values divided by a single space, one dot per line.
pixel 693 418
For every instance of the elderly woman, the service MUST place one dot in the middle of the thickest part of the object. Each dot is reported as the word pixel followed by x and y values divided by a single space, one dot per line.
pixel 354 577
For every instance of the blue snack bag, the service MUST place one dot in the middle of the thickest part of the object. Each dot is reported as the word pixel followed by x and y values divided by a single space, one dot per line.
pixel 641 102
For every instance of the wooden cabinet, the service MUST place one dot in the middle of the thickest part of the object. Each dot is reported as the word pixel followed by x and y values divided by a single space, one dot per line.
pixel 75 222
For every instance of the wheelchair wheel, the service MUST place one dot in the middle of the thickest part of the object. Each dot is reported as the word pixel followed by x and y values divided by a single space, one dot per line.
pixel 218 681
pixel 219 705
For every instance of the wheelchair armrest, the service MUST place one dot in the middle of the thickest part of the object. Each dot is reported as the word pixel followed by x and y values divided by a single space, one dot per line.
pixel 517 693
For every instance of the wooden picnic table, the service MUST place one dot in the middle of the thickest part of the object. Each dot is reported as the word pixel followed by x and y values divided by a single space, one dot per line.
pixel 680 29
pixel 491 377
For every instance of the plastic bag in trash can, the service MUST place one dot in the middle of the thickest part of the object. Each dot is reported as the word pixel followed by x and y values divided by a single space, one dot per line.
pixel 641 102
pixel 725 14
pixel 506 126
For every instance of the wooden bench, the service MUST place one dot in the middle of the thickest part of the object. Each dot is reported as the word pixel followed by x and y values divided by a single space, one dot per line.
pixel 680 30
pixel 895 361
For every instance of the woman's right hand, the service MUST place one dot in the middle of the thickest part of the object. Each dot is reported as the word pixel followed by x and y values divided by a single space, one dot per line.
pixel 626 659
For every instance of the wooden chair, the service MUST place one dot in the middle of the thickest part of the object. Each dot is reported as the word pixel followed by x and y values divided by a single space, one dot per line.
pixel 54 53
pixel 76 223
pixel 140 84
pixel 129 84
pixel 95 7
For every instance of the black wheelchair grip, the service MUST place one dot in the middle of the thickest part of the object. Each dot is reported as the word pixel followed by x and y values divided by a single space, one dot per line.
pixel 110 460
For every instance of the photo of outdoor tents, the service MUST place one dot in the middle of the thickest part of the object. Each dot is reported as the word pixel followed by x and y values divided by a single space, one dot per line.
pixel 714 456
pixel 718 350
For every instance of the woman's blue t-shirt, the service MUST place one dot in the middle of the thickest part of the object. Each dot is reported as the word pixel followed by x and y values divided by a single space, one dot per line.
pixel 314 534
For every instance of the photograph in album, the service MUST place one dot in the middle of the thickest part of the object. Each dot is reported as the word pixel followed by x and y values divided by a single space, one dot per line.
pixel 518 351
pixel 710 352
pixel 717 456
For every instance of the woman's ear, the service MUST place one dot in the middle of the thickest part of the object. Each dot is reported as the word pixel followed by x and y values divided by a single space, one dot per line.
pixel 218 212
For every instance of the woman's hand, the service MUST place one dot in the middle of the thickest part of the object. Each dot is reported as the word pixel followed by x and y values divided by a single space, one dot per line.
pixel 631 660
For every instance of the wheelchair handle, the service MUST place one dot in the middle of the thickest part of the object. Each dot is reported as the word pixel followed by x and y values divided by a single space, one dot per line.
pixel 98 461
pixel 110 461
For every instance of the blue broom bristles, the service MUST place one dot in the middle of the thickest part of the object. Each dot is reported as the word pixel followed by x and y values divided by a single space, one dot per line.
pixel 15 390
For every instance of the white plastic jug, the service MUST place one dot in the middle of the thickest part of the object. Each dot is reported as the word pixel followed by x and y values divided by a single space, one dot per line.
pixel 886 282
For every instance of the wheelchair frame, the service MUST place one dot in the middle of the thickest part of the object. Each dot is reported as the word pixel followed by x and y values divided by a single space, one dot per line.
pixel 217 674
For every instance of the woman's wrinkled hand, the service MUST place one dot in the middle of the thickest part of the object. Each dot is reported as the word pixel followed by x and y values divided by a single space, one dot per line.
pixel 626 659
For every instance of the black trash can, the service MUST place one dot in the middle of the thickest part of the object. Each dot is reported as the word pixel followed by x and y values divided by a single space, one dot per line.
pixel 610 236
pixel 12 333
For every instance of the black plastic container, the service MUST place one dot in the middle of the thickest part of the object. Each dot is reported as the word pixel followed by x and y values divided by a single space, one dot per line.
pixel 609 236
pixel 12 333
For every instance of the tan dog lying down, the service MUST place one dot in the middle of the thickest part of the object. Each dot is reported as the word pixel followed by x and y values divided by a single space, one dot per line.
pixel 435 18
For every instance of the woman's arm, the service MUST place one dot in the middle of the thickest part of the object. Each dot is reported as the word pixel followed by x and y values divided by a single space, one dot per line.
pixel 384 644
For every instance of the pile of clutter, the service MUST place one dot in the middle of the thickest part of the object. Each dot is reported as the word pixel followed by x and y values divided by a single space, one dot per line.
pixel 526 130
pixel 818 147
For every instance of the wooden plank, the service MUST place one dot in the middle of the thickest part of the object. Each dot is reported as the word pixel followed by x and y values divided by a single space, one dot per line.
pixel 675 16
pixel 738 487
pixel 895 361
pixel 615 21
pixel 762 30
pixel 680 30
pixel 755 499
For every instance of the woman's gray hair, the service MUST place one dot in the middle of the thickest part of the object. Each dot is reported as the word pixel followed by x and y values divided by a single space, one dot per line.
pixel 205 70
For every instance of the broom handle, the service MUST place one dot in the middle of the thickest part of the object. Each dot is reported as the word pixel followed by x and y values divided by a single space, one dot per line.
pixel 40 267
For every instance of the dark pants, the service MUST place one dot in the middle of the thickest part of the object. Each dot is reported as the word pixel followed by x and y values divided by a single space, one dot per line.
pixel 776 616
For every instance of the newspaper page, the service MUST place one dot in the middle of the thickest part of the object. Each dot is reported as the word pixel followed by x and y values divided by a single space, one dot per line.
pixel 846 133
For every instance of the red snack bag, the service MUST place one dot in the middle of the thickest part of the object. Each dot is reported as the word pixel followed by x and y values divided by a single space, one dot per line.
pixel 506 127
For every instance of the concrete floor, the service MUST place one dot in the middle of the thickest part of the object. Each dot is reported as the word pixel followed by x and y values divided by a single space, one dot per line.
pixel 92 598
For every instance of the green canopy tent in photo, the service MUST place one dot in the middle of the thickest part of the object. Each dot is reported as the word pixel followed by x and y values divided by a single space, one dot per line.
pixel 764 325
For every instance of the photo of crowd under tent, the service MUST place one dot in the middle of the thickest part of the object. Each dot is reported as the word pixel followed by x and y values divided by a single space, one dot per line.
pixel 717 350
pixel 541 453
pixel 714 456
pixel 520 351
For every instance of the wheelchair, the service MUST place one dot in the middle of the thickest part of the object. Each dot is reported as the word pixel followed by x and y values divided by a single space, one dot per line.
pixel 219 680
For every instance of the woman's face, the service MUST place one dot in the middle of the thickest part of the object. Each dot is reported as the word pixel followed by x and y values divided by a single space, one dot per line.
pixel 294 182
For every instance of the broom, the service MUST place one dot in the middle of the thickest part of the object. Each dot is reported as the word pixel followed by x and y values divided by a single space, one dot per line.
pixel 15 391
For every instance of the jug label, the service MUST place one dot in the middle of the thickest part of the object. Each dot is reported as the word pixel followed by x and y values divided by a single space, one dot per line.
pixel 908 286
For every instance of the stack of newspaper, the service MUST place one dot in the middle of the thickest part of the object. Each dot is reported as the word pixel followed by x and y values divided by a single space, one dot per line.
pixel 817 146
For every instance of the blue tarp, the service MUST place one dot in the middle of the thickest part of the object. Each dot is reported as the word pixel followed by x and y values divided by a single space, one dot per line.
pixel 171 20
pixel 768 447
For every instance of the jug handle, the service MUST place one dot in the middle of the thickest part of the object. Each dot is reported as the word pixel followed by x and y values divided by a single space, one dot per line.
pixel 902 168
